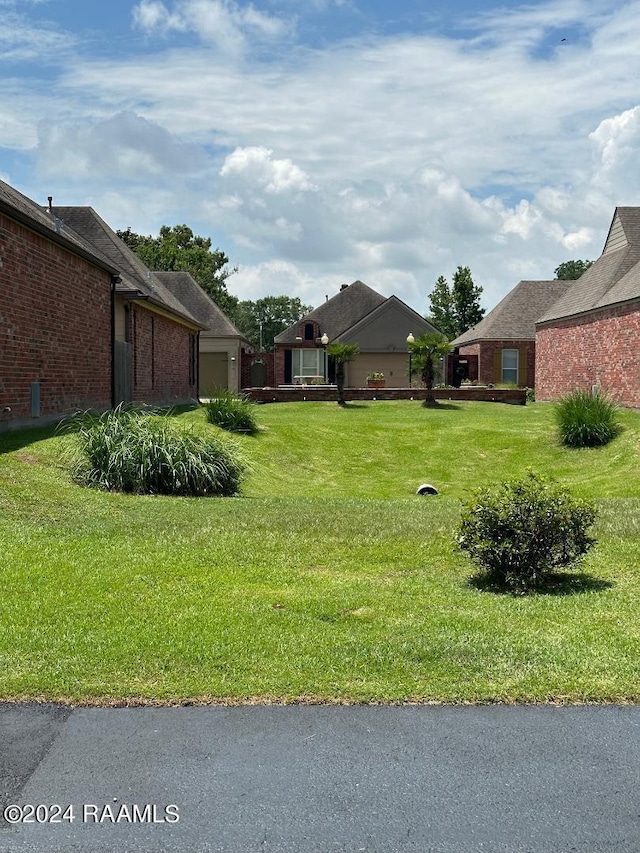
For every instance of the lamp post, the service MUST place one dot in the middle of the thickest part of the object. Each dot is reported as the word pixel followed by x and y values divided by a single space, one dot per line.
pixel 324 340
pixel 410 340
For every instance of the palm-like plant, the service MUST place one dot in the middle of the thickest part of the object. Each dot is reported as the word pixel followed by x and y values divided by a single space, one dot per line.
pixel 341 354
pixel 424 351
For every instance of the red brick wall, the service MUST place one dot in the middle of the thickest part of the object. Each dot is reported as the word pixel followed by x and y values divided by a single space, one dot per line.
pixel 486 352
pixel 278 365
pixel 600 349
pixel 160 359
pixel 247 361
pixel 55 327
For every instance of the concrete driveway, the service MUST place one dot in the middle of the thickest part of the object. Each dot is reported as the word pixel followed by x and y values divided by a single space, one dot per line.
pixel 321 778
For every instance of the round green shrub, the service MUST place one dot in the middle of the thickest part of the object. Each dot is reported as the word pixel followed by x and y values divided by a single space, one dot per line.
pixel 521 531
pixel 231 411
pixel 145 453
pixel 586 419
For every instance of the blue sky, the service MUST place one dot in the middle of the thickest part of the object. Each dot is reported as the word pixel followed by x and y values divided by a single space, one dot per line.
pixel 322 141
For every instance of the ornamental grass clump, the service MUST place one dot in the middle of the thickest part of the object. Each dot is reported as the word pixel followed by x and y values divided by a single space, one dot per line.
pixel 231 411
pixel 586 419
pixel 146 453
pixel 520 532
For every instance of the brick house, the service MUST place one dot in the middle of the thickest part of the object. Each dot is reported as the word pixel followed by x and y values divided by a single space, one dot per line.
pixel 56 300
pixel 501 347
pixel 379 325
pixel 155 336
pixel 590 338
pixel 221 345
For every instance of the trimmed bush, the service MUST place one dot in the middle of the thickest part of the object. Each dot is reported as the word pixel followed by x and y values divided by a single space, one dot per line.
pixel 586 420
pixel 520 532
pixel 231 411
pixel 146 453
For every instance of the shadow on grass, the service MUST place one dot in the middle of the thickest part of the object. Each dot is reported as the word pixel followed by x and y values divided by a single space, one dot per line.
pixel 554 583
pixel 17 439
pixel 12 440
pixel 438 406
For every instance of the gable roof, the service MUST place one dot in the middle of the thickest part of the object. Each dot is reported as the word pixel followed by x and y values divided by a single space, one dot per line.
pixel 198 303
pixel 22 209
pixel 137 278
pixel 339 313
pixel 387 326
pixel 514 317
pixel 613 278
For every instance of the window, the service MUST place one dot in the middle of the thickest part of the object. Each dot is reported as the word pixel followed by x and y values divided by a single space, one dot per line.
pixel 309 332
pixel 509 371
pixel 308 362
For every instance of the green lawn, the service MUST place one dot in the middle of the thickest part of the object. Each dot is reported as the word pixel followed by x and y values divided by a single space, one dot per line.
pixel 328 579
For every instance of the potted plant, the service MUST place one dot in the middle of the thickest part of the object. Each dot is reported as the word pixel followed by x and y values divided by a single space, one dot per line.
pixel 375 380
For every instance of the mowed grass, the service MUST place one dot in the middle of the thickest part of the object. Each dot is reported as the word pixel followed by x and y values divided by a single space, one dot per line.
pixel 327 580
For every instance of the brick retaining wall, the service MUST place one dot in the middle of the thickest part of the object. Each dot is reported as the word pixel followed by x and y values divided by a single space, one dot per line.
pixel 323 393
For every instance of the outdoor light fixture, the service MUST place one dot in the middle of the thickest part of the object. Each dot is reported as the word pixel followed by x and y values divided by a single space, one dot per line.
pixel 324 340
pixel 410 340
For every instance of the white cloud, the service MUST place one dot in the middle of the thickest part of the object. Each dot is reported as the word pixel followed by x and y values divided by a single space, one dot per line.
pixel 256 166
pixel 616 145
pixel 282 277
pixel 122 147
pixel 21 40
pixel 152 15
pixel 223 23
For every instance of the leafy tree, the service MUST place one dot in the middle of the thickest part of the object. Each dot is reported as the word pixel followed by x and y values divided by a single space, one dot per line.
pixel 341 354
pixel 455 309
pixel 425 350
pixel 178 248
pixel 466 299
pixel 571 270
pixel 273 313
pixel 442 308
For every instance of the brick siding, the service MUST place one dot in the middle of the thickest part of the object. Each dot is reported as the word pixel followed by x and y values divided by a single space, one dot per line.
pixel 160 359
pixel 601 349
pixel 55 327
pixel 486 352
pixel 245 368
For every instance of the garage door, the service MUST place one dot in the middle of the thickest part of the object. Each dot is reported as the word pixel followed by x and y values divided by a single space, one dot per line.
pixel 213 372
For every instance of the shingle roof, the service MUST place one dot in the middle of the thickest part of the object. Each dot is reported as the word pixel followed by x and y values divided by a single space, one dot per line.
pixel 23 209
pixel 339 313
pixel 613 278
pixel 514 317
pixel 135 275
pixel 198 303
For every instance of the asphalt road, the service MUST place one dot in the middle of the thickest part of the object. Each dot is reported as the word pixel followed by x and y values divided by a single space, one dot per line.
pixel 301 779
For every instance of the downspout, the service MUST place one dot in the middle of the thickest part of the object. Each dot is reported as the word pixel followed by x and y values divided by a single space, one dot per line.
pixel 115 279
pixel 197 368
